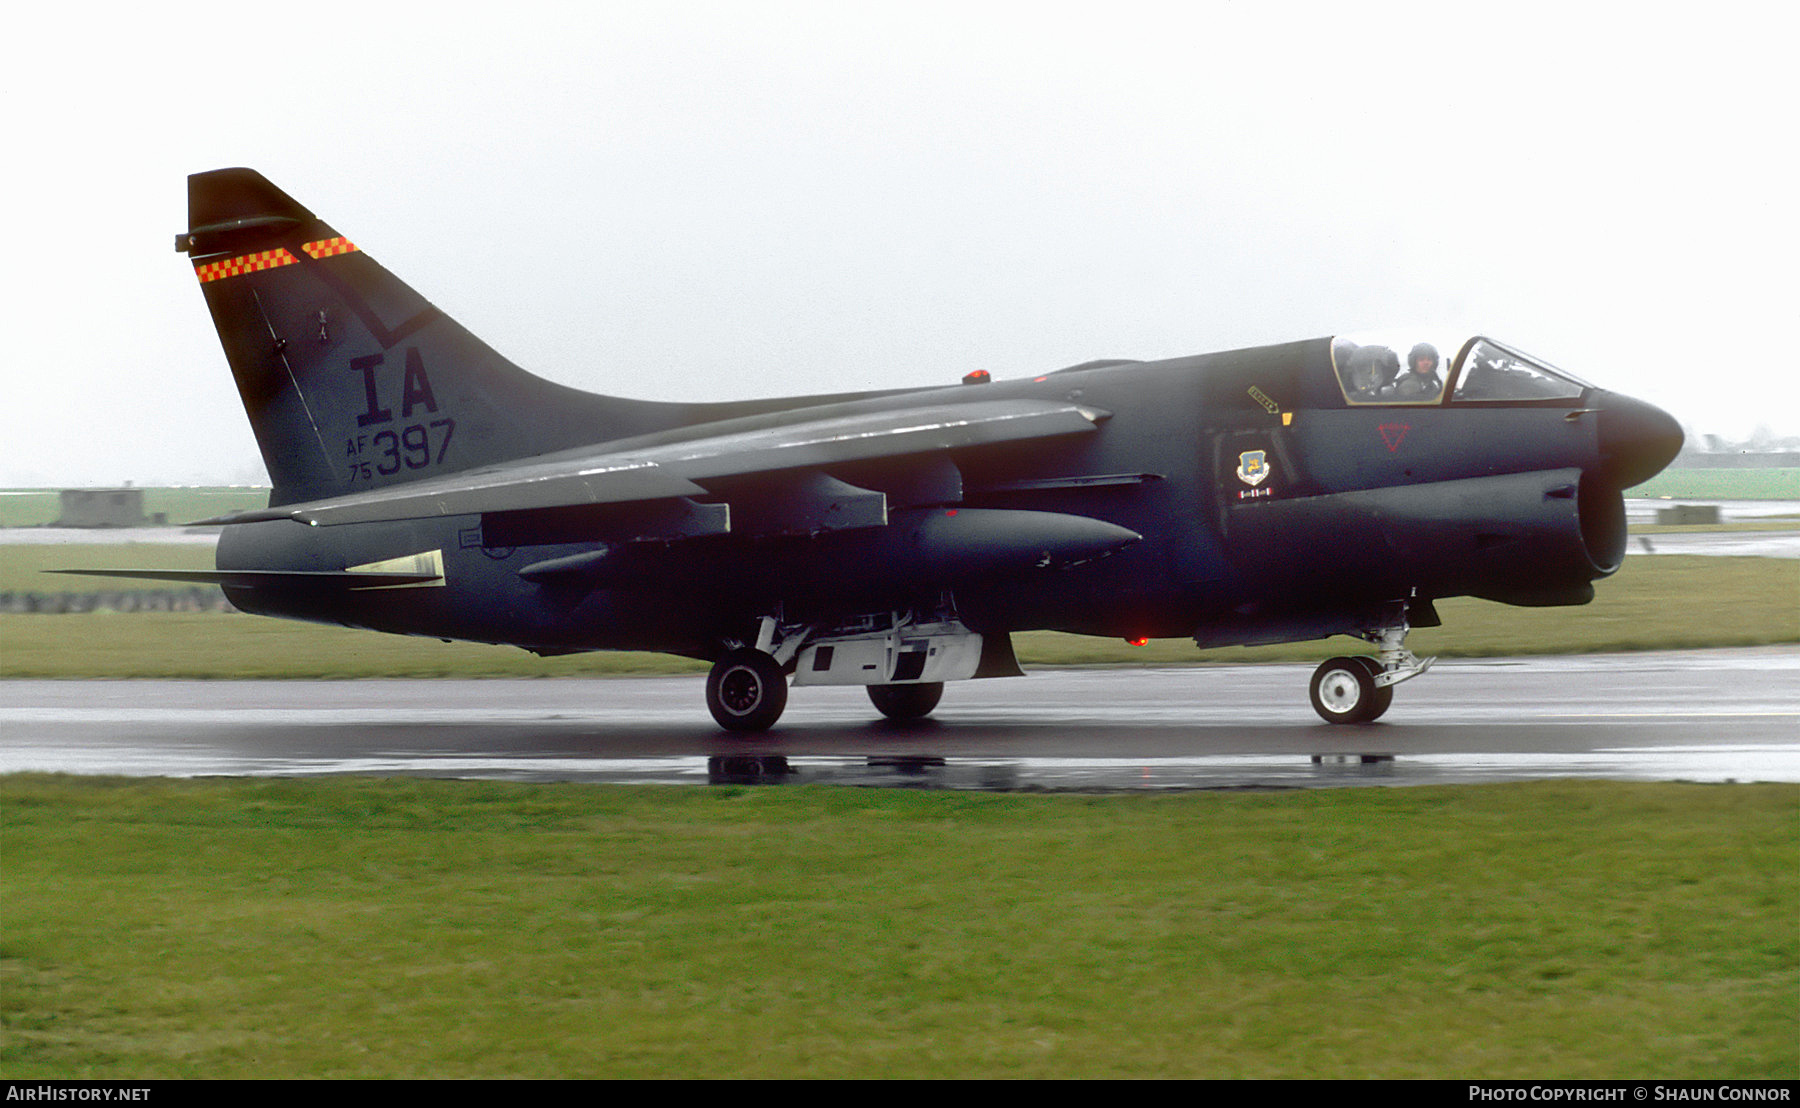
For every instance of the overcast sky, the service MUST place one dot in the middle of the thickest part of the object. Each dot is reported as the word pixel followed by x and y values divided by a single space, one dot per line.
pixel 690 200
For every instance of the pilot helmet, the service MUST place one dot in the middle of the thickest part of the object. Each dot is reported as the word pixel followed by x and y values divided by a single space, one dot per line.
pixel 1424 351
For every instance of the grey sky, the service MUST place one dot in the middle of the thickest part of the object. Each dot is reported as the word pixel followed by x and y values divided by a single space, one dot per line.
pixel 710 200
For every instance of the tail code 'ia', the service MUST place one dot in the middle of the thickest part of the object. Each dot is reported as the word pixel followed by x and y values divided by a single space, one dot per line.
pixel 351 379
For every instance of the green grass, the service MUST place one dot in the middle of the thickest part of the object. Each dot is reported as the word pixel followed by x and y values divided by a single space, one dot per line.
pixel 358 928
pixel 23 568
pixel 1666 602
pixel 1722 484
pixel 221 645
pixel 1655 603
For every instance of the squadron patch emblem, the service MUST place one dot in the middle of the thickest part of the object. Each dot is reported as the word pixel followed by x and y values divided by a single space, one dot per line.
pixel 1253 467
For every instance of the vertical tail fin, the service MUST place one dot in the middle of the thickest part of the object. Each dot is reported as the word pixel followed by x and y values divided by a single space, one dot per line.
pixel 350 378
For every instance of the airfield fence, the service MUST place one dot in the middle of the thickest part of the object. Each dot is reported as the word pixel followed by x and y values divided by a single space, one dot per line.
pixel 200 598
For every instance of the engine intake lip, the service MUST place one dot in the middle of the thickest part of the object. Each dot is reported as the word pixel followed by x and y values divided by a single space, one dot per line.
pixel 1603 533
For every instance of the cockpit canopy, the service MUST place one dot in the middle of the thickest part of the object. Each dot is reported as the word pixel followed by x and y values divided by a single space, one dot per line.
pixel 1415 367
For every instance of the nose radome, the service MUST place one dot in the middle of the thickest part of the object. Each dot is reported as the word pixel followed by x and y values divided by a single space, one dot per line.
pixel 1636 439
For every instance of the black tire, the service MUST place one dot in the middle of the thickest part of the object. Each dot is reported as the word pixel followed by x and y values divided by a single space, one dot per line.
pixel 913 701
pixel 746 691
pixel 1343 691
pixel 1384 694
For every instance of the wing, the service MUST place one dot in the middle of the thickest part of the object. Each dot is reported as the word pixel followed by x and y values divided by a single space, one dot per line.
pixel 651 480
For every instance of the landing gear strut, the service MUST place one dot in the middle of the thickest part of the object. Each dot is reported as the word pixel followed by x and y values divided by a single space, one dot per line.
pixel 1360 690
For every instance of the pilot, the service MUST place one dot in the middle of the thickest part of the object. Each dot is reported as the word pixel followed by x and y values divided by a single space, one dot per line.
pixel 1420 381
pixel 1369 370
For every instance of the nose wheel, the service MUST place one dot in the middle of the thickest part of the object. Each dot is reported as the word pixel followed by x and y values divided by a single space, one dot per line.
pixel 1344 691
pixel 1361 689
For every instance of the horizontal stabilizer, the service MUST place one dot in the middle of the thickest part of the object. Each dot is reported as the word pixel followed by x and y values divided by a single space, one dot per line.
pixel 267 578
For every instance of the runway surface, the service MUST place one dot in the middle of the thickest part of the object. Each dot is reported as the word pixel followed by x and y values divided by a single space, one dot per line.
pixel 1721 715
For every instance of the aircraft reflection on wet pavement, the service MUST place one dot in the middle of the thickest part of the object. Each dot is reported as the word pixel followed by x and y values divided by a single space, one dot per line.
pixel 1701 716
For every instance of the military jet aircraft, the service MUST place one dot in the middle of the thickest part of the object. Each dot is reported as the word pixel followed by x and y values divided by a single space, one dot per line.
pixel 425 485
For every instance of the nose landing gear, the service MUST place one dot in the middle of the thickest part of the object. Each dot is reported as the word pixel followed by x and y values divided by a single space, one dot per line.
pixel 1344 691
pixel 1360 689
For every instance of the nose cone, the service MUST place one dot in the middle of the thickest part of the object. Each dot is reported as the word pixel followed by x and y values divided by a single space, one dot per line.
pixel 1636 439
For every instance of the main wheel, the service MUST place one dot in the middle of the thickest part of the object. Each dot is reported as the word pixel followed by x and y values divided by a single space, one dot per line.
pixel 906 701
pixel 1343 691
pixel 746 691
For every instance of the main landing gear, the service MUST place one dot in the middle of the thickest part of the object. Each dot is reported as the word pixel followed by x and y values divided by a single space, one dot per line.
pixel 1360 689
pixel 901 659
pixel 746 690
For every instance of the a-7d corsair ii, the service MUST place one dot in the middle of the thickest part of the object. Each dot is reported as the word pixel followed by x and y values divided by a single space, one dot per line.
pixel 424 485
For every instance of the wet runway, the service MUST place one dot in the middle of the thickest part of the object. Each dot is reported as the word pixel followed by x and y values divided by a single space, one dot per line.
pixel 1722 715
